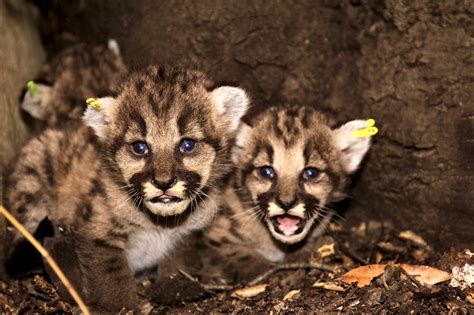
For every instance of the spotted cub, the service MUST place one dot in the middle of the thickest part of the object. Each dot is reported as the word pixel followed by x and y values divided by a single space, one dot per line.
pixel 291 163
pixel 135 178
pixel 74 74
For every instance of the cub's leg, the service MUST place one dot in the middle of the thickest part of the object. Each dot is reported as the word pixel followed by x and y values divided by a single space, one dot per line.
pixel 27 190
pixel 108 281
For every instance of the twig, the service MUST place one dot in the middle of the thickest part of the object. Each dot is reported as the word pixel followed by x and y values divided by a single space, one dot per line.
pixel 208 287
pixel 411 278
pixel 291 266
pixel 349 252
pixel 48 258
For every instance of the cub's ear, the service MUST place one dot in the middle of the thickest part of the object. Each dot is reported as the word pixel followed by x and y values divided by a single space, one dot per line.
pixel 38 106
pixel 352 148
pixel 232 103
pixel 99 114
pixel 241 140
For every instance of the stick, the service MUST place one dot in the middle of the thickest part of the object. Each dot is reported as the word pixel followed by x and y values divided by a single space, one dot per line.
pixel 48 258
pixel 291 266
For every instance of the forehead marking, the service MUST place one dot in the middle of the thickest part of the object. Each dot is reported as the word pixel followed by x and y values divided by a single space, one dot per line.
pixel 288 161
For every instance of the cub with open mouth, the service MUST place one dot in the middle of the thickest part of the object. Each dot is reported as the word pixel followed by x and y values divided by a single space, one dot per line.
pixel 292 162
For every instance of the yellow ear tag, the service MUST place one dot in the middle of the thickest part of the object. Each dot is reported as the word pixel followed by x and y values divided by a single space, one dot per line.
pixel 33 87
pixel 366 132
pixel 95 104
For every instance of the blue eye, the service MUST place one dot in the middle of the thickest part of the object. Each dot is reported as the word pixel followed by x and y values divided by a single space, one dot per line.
pixel 187 146
pixel 310 173
pixel 139 148
pixel 267 172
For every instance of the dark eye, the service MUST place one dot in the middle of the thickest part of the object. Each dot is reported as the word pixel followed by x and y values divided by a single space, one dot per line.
pixel 310 173
pixel 267 172
pixel 139 148
pixel 187 146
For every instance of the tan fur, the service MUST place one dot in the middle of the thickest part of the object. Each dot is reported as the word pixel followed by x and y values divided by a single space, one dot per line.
pixel 289 139
pixel 90 183
pixel 72 76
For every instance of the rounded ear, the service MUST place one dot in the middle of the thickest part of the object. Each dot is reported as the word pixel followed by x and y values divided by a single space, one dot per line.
pixel 98 115
pixel 241 141
pixel 36 103
pixel 352 148
pixel 232 103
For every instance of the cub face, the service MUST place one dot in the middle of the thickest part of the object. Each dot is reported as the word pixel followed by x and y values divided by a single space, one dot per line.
pixel 167 136
pixel 291 163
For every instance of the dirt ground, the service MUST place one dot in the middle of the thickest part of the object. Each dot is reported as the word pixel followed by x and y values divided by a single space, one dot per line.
pixel 294 290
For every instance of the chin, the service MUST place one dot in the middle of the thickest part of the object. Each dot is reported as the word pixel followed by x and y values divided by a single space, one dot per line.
pixel 167 209
pixel 289 237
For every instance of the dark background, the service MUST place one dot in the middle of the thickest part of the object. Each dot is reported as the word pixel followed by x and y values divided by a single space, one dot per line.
pixel 408 64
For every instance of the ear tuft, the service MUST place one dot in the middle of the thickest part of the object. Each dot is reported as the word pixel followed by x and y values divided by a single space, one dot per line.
pixel 98 119
pixel 232 103
pixel 241 140
pixel 353 148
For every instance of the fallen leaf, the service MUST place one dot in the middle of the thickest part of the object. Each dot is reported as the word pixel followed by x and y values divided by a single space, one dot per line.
pixel 463 277
pixel 470 298
pixel 326 250
pixel 249 292
pixel 293 294
pixel 363 275
pixel 328 286
pixel 413 237
pixel 425 274
pixel 391 248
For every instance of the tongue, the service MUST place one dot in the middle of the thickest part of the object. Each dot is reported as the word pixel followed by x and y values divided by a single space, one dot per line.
pixel 288 224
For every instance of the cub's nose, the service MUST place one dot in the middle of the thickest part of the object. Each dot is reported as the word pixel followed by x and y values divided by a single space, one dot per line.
pixel 286 204
pixel 164 184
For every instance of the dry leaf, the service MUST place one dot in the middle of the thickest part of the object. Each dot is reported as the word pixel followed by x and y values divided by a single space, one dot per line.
pixel 293 294
pixel 470 298
pixel 391 248
pixel 363 275
pixel 425 274
pixel 328 286
pixel 249 292
pixel 326 250
pixel 463 277
pixel 413 237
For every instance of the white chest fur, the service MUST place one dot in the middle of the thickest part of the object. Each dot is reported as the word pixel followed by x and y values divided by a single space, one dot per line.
pixel 147 247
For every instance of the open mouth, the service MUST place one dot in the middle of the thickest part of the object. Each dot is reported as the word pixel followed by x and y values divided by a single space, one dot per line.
pixel 288 224
pixel 165 199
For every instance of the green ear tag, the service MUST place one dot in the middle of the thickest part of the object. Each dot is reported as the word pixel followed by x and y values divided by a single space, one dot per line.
pixel 94 104
pixel 366 132
pixel 32 87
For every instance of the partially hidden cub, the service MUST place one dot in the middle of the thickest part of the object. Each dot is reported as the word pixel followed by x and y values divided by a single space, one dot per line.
pixel 134 178
pixel 78 72
pixel 291 163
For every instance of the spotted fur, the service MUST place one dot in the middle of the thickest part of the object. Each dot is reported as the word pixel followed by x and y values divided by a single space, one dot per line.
pixel 73 75
pixel 266 219
pixel 88 181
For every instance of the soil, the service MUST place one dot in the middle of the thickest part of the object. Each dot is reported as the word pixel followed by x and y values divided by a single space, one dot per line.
pixel 353 247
